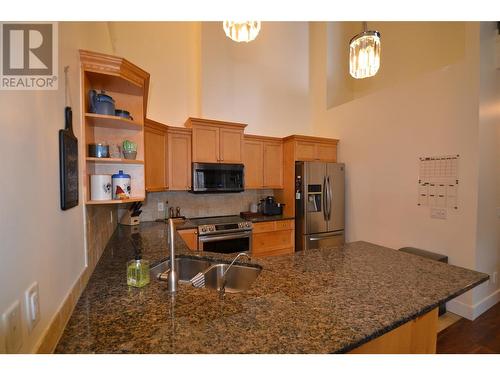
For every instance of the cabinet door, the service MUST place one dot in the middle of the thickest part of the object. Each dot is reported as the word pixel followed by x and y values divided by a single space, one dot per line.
pixel 230 145
pixel 155 159
pixel 206 144
pixel 253 160
pixel 179 161
pixel 326 152
pixel 273 165
pixel 273 238
pixel 305 151
pixel 190 237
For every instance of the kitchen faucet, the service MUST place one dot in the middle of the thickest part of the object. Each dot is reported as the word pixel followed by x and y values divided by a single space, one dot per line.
pixel 222 289
pixel 172 278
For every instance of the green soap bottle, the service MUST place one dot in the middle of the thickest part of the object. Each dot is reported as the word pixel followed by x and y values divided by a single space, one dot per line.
pixel 138 272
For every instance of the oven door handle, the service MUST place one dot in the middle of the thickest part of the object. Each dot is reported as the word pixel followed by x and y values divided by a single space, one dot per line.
pixel 224 237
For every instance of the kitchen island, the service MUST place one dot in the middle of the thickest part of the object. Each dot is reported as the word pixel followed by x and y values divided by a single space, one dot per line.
pixel 330 300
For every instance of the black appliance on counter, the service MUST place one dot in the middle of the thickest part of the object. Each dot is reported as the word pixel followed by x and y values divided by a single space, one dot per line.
pixel 268 206
pixel 217 178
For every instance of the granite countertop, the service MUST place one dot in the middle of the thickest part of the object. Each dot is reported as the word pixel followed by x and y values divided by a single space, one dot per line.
pixel 329 300
pixel 263 218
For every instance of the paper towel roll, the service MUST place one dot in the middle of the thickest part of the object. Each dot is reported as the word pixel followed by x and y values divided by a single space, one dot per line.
pixel 100 187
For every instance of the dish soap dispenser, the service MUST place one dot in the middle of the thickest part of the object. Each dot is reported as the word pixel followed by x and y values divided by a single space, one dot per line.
pixel 138 271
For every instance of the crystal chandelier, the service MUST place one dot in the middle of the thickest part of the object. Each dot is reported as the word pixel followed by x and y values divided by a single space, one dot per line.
pixel 364 54
pixel 245 31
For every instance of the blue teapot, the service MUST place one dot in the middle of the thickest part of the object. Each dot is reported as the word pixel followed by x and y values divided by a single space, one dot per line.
pixel 101 103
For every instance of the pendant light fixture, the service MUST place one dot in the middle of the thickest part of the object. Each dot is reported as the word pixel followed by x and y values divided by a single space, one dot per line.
pixel 364 54
pixel 244 31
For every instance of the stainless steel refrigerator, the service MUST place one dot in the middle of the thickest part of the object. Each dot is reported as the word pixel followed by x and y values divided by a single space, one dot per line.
pixel 319 204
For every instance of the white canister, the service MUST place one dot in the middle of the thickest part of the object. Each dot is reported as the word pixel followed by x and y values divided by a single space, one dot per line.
pixel 121 185
pixel 100 187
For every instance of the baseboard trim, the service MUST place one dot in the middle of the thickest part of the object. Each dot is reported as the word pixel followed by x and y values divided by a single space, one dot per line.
pixel 471 312
pixel 54 331
pixel 486 303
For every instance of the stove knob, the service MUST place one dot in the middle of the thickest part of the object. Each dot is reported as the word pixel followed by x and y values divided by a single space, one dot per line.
pixel 247 225
pixel 212 229
pixel 203 229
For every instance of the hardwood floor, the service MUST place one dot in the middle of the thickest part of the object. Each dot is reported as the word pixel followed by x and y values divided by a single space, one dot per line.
pixel 481 336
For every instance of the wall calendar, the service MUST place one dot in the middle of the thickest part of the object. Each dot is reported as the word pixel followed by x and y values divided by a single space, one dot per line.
pixel 438 181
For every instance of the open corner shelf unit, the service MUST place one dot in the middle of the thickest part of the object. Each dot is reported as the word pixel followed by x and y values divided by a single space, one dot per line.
pixel 128 85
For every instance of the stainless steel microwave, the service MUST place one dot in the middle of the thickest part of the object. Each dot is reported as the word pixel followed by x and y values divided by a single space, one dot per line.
pixel 217 178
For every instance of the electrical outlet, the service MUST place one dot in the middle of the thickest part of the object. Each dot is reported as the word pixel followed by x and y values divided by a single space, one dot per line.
pixel 438 213
pixel 32 304
pixel 161 207
pixel 12 328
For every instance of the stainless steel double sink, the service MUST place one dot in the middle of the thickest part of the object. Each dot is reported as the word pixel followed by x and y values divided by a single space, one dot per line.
pixel 238 278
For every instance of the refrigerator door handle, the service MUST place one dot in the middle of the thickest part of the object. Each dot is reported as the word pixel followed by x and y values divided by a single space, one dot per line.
pixel 330 197
pixel 324 197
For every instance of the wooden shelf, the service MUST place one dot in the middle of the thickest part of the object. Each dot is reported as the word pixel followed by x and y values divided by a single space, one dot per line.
pixel 114 161
pixel 128 85
pixel 118 201
pixel 115 122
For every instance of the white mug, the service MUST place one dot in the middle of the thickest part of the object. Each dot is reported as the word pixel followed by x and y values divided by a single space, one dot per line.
pixel 100 187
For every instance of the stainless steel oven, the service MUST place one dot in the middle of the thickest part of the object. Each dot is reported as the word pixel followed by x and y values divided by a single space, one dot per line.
pixel 235 242
pixel 224 234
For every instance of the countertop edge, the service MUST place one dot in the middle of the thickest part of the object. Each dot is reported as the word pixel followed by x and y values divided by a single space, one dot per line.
pixel 399 323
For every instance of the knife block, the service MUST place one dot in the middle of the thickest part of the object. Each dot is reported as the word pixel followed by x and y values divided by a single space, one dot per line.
pixel 128 219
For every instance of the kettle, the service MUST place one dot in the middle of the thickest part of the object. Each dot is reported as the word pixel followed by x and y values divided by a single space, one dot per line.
pixel 101 103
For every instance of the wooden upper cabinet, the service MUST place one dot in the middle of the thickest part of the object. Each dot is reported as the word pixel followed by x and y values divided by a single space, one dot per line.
pixel 305 151
pixel 230 145
pixel 326 152
pixel 206 144
pixel 314 148
pixel 155 152
pixel 179 159
pixel 253 158
pixel 273 164
pixel 216 141
pixel 263 159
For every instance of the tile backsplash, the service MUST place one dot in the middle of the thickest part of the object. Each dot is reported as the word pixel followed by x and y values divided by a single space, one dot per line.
pixel 198 205
pixel 101 223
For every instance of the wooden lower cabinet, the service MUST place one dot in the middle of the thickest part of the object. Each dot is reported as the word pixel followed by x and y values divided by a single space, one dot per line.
pixel 190 237
pixel 418 336
pixel 273 238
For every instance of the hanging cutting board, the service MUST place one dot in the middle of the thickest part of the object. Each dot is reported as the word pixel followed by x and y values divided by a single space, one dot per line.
pixel 68 163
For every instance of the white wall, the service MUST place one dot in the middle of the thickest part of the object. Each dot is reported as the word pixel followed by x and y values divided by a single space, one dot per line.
pixel 170 52
pixel 264 83
pixel 488 223
pixel 39 242
pixel 383 133
pixel 197 71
